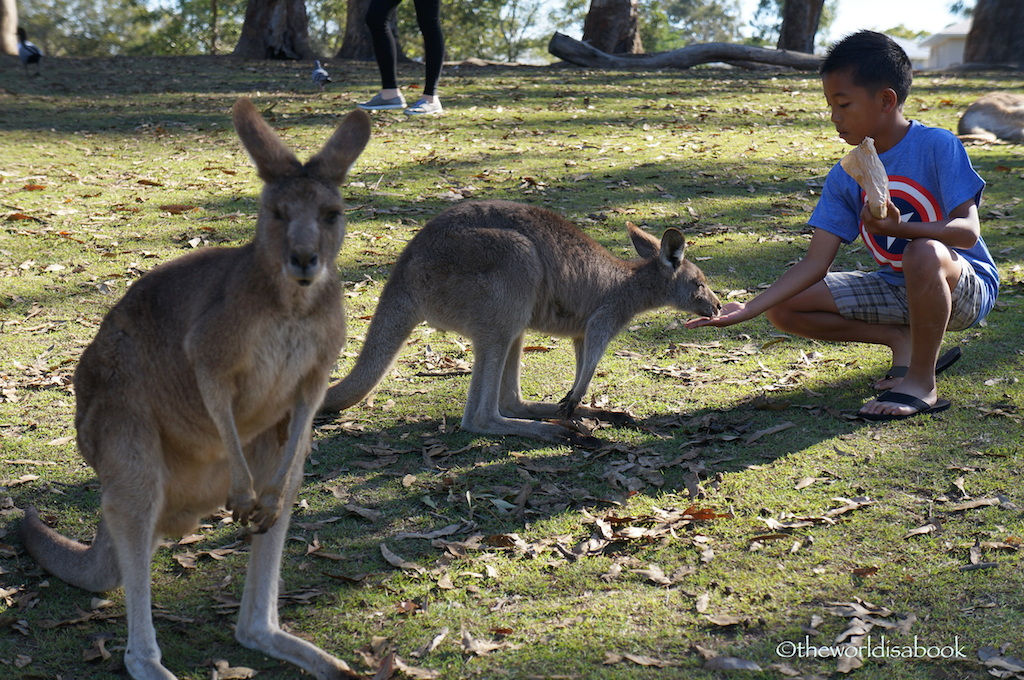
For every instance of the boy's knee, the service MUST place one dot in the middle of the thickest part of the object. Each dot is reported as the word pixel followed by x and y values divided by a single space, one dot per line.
pixel 925 252
pixel 778 316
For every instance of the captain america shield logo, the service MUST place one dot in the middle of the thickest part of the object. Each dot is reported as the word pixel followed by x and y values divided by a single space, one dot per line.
pixel 915 204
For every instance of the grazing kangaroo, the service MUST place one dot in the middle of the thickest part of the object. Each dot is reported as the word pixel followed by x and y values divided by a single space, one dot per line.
pixel 490 270
pixel 199 392
pixel 996 115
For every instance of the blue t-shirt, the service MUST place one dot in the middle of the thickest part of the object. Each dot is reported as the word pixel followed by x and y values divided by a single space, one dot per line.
pixel 929 175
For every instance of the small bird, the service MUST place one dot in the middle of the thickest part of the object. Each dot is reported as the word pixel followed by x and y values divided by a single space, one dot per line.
pixel 320 76
pixel 29 53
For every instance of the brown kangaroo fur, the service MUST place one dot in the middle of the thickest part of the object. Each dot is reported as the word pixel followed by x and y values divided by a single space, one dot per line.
pixel 199 392
pixel 996 115
pixel 490 270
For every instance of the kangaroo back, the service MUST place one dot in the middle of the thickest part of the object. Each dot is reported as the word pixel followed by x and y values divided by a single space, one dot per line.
pixel 490 270
pixel 997 115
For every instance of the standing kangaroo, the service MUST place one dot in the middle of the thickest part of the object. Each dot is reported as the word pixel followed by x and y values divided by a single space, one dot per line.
pixel 199 391
pixel 996 115
pixel 490 270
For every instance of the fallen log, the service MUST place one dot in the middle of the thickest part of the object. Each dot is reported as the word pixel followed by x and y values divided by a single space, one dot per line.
pixel 582 54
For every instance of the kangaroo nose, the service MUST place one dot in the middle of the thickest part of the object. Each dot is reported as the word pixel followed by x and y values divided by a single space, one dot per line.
pixel 302 260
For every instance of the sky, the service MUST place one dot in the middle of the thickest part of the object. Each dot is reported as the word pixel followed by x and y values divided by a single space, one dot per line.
pixel 853 15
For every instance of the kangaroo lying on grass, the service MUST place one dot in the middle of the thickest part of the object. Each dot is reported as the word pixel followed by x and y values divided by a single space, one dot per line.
pixel 996 115
pixel 490 270
pixel 199 390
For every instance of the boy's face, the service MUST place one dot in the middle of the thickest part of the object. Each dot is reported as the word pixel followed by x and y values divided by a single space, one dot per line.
pixel 856 111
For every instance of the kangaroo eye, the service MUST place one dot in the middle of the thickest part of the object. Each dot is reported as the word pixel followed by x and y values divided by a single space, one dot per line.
pixel 332 216
pixel 278 214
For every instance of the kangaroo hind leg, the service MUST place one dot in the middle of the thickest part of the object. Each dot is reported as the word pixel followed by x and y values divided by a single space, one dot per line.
pixel 511 402
pixel 487 386
pixel 258 625
pixel 131 509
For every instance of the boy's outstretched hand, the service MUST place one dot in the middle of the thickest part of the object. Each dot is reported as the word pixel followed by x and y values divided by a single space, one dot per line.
pixel 732 313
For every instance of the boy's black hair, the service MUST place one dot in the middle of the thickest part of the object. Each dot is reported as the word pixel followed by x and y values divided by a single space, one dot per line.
pixel 875 62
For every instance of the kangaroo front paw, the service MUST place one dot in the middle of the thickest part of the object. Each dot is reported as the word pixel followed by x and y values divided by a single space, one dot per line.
pixel 267 511
pixel 242 506
pixel 568 405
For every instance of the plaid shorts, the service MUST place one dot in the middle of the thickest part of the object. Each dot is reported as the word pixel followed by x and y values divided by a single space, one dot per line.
pixel 866 296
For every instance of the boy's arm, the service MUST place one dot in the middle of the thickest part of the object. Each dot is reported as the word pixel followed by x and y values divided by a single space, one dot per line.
pixel 821 252
pixel 961 229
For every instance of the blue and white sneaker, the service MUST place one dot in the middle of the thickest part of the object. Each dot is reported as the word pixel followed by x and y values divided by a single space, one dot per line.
pixel 423 107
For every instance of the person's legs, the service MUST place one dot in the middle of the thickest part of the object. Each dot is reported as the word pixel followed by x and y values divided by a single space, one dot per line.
pixel 932 272
pixel 814 314
pixel 384 46
pixel 428 16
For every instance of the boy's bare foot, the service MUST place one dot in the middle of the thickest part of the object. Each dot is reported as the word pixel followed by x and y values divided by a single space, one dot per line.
pixel 895 375
pixel 899 406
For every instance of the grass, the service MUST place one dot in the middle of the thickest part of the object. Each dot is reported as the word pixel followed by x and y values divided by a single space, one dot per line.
pixel 112 166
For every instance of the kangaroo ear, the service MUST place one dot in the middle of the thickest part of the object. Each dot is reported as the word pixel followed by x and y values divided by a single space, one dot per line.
pixel 673 248
pixel 272 158
pixel 342 149
pixel 646 245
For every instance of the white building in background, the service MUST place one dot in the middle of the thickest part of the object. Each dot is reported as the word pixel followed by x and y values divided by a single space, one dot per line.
pixel 947 46
pixel 918 53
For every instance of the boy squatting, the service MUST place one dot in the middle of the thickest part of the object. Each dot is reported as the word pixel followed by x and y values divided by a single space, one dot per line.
pixel 935 274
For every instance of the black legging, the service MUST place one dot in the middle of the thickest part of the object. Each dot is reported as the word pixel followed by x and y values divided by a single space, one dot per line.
pixel 428 15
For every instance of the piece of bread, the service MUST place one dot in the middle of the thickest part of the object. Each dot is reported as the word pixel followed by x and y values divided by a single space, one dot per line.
pixel 863 165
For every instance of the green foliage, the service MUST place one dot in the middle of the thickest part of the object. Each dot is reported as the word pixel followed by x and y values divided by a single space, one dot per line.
pixel 767 21
pixel 96 28
pixel 902 31
pixel 185 27
pixel 106 174
pixel 326 25
pixel 86 27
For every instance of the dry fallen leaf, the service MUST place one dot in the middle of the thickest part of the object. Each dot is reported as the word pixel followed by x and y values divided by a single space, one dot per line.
pixel 971 505
pixel 730 663
pixel 933 526
pixel 767 431
pixel 222 670
pixel 98 651
pixel 611 658
pixel 1001 666
pixel 655 574
pixel 479 647
pixel 432 645
pixel 725 620
pixel 397 561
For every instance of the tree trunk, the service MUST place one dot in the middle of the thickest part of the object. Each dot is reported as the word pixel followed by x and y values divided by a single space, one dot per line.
pixel 612 26
pixel 582 54
pixel 997 33
pixel 357 43
pixel 8 27
pixel 799 25
pixel 275 29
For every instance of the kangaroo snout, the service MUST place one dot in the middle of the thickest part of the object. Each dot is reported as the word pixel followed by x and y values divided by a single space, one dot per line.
pixel 714 305
pixel 303 266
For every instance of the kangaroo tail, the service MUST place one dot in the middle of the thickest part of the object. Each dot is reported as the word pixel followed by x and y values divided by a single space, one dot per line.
pixel 90 567
pixel 398 312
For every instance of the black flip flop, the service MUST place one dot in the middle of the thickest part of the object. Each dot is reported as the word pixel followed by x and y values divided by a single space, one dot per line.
pixel 891 397
pixel 945 361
